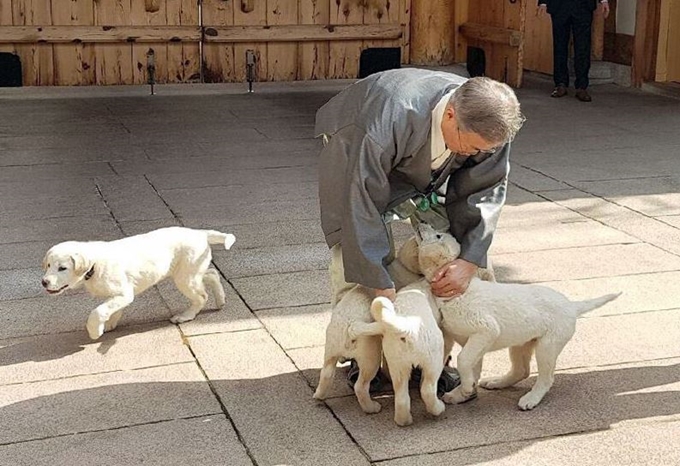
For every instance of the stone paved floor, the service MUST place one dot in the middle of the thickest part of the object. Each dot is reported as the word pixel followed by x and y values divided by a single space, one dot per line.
pixel 594 207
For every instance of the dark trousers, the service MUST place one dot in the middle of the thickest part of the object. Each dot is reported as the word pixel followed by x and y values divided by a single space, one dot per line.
pixel 580 24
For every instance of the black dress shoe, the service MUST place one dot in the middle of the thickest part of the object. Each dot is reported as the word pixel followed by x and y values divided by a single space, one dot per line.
pixel 448 380
pixel 583 96
pixel 559 91
pixel 377 384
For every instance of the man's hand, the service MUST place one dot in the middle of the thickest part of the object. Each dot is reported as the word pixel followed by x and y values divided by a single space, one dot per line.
pixel 453 279
pixel 389 293
pixel 605 9
pixel 542 10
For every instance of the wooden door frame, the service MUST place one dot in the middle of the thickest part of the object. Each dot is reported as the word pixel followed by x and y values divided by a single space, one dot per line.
pixel 646 42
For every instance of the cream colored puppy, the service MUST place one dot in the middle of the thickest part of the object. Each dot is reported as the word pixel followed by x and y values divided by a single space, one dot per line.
pixel 352 308
pixel 491 316
pixel 410 338
pixel 409 327
pixel 120 270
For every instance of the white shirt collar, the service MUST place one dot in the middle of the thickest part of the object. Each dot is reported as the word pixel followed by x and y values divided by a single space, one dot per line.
pixel 440 153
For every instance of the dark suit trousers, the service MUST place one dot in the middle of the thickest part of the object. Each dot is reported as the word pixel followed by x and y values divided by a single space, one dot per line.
pixel 563 25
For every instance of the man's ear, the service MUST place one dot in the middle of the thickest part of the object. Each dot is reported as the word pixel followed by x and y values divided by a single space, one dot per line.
pixel 80 264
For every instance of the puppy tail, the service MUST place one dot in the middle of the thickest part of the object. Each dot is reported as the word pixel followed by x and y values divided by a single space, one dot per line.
pixel 581 307
pixel 382 310
pixel 217 237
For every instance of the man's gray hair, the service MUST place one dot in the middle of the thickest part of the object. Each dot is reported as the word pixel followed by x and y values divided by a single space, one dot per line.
pixel 487 108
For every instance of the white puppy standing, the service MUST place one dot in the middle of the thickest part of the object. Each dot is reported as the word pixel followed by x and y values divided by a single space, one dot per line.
pixel 491 316
pixel 119 270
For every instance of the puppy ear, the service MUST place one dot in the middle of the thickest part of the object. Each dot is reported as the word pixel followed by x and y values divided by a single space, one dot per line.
pixel 44 261
pixel 80 264
pixel 408 256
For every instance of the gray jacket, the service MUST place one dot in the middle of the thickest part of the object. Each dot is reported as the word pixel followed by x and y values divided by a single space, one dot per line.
pixel 378 155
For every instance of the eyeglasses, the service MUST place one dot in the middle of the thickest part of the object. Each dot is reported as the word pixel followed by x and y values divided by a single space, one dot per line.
pixel 477 151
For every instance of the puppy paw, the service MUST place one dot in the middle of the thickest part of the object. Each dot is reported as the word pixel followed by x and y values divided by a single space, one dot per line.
pixel 95 326
pixel 183 317
pixel 457 396
pixel 319 395
pixel 529 401
pixel 437 408
pixel 403 420
pixel 493 383
pixel 371 407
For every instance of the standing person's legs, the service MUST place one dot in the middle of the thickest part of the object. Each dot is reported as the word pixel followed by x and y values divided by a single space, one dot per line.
pixel 582 27
pixel 561 28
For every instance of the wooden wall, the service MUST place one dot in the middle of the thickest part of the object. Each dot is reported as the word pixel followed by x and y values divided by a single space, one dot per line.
pixel 84 42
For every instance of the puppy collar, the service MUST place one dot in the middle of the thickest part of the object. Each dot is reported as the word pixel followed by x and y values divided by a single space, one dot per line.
pixel 89 273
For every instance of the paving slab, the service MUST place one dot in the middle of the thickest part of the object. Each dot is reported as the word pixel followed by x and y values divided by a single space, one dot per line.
pixel 309 361
pixel 208 164
pixel 101 227
pixel 104 401
pixel 281 233
pixel 647 445
pixel 557 236
pixel 641 292
pixel 583 262
pixel 137 227
pixel 163 150
pixel 69 312
pixel 63 355
pixel 132 198
pixel 647 229
pixel 50 172
pixel 528 215
pixel 580 401
pixel 25 283
pixel 38 207
pixel 297 327
pixel 599 158
pixel 234 177
pixel 19 255
pixel 223 133
pixel 243 197
pixel 204 440
pixel 233 317
pixel 284 290
pixel 40 156
pixel 607 341
pixel 272 211
pixel 289 427
pixel 532 180
pixel 672 220
pixel 649 196
pixel 262 261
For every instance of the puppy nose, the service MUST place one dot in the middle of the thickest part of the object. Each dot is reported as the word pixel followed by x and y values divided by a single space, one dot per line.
pixel 45 283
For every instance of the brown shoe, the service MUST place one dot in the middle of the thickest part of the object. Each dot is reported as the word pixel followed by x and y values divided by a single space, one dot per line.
pixel 559 91
pixel 583 96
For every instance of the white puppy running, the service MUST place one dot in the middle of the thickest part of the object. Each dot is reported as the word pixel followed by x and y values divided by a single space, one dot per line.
pixel 119 270
pixel 491 316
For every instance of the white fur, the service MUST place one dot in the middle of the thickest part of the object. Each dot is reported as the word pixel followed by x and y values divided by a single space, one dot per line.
pixel 410 338
pixel 124 268
pixel 524 318
pixel 353 308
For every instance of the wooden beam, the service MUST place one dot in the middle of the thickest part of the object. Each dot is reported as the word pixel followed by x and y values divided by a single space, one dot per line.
pixel 597 35
pixel 303 33
pixel 646 43
pixel 98 34
pixel 432 37
pixel 231 34
pixel 492 34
